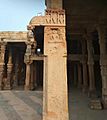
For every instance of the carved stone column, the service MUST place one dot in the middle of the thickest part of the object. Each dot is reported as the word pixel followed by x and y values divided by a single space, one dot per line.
pixel 103 62
pixel 2 53
pixel 1 74
pixel 55 98
pixel 8 85
pixel 32 86
pixel 28 62
pixel 79 76
pixel 85 76
pixel 27 81
pixel 84 66
pixel 90 64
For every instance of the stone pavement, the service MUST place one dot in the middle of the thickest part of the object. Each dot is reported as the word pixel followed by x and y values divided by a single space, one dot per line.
pixel 21 105
pixel 79 107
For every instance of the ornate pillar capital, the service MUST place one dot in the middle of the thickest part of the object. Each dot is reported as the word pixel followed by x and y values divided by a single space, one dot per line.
pixel 30 27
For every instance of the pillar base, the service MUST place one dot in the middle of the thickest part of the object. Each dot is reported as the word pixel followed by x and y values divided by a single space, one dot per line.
pixel 85 89
pixel 104 105
pixel 92 94
pixel 8 87
pixel 54 116
pixel 26 87
pixel 32 88
pixel 104 101
pixel 1 87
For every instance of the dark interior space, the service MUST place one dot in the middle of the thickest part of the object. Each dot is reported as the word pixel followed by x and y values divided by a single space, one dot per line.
pixel 18 71
pixel 39 37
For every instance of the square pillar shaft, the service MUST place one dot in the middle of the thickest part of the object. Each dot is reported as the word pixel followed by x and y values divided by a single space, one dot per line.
pixel 55 98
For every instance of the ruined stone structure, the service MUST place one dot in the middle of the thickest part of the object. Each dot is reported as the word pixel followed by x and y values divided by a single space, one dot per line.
pixel 67 43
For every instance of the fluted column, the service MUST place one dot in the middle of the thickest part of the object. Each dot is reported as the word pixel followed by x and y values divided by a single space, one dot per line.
pixel 2 54
pixel 103 62
pixel 90 63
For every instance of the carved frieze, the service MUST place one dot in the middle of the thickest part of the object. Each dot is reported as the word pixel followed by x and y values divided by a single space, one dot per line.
pixel 55 34
pixel 55 40
pixel 53 16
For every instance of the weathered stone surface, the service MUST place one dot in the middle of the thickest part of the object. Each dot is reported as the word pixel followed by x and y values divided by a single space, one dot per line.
pixel 55 78
pixel 13 35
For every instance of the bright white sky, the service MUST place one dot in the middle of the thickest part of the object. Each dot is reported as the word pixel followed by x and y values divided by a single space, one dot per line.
pixel 15 15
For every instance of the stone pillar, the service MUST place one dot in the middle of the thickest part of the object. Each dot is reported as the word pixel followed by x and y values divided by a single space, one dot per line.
pixel 90 64
pixel 28 62
pixel 8 85
pixel 2 53
pixel 85 76
pixel 55 98
pixel 79 76
pixel 75 69
pixel 103 62
pixel 84 67
pixel 27 81
pixel 32 86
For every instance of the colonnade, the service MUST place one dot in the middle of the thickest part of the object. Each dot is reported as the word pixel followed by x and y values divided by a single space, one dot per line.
pixel 86 71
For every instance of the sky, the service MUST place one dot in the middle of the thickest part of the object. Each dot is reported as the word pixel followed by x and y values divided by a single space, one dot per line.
pixel 15 15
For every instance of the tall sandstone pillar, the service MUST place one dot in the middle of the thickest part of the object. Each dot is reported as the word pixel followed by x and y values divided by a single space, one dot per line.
pixel 55 100
pixel 103 62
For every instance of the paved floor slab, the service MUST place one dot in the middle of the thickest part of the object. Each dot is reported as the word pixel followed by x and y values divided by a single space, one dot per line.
pixel 21 105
